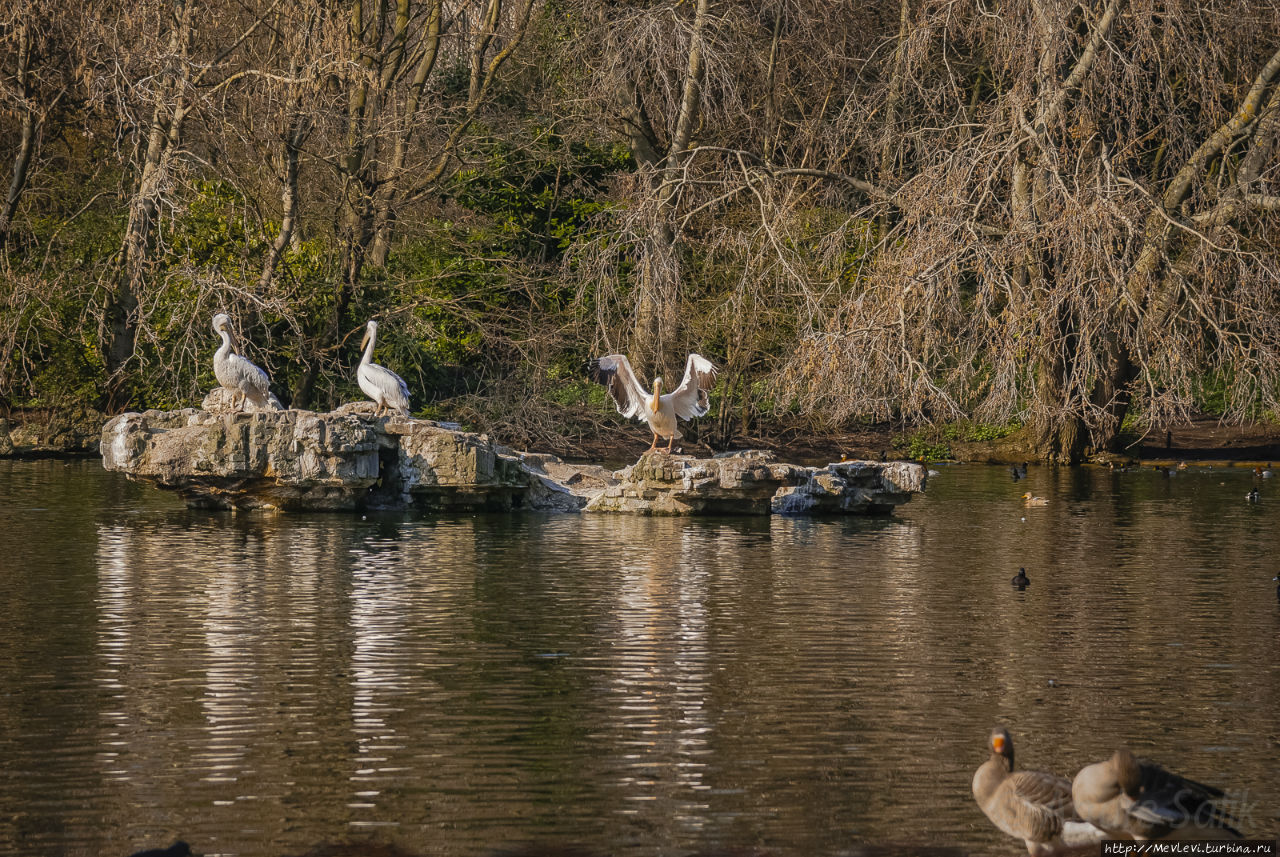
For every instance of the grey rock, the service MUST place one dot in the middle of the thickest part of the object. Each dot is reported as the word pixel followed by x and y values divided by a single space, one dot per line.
pixel 219 402
pixel 754 483
pixel 351 459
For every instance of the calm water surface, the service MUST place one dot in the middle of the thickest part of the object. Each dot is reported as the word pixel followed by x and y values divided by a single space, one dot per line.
pixel 256 685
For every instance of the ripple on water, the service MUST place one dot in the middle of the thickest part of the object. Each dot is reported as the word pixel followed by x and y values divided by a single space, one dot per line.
pixel 639 686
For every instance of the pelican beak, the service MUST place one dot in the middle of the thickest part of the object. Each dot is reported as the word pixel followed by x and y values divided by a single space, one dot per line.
pixel 997 743
pixel 657 389
pixel 364 340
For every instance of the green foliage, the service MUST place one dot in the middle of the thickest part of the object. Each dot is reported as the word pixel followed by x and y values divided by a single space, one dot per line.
pixel 919 447
pixel 537 200
pixel 934 444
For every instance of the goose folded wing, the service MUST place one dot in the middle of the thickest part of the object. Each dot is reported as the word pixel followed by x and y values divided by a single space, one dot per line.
pixel 1168 798
pixel 691 398
pixel 614 372
pixel 1037 805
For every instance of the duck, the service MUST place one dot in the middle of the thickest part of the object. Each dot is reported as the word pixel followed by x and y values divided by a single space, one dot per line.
pixel 1273 580
pixel 1034 806
pixel 1252 496
pixel 1018 471
pixel 1034 501
pixel 1130 797
pixel 1020 580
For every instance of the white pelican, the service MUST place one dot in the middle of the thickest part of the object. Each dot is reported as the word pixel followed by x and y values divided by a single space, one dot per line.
pixel 236 374
pixel 687 401
pixel 385 387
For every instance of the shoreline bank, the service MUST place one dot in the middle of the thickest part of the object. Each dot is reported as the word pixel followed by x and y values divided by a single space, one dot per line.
pixel 49 433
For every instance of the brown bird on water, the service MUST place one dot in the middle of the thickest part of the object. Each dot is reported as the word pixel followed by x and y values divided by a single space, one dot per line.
pixel 1033 806
pixel 1131 797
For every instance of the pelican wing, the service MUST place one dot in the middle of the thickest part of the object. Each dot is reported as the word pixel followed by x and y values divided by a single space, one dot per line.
pixel 393 388
pixel 385 387
pixel 615 373
pixel 250 379
pixel 691 398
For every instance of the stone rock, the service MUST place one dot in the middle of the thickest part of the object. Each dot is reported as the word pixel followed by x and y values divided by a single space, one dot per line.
pixel 852 487
pixel 219 402
pixel 351 459
pixel 303 461
pixel 754 483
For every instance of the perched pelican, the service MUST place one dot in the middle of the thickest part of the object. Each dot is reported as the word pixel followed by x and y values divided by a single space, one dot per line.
pixel 660 410
pixel 1034 501
pixel 379 383
pixel 1033 806
pixel 236 374
pixel 1127 796
pixel 1020 580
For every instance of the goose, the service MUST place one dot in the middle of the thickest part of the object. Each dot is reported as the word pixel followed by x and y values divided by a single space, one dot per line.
pixel 1034 501
pixel 386 388
pixel 661 411
pixel 1033 806
pixel 1020 580
pixel 236 374
pixel 1131 797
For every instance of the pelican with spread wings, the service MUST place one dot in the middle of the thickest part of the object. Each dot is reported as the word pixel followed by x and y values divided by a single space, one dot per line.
pixel 660 410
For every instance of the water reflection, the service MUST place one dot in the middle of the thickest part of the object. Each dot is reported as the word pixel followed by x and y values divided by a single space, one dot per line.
pixel 636 686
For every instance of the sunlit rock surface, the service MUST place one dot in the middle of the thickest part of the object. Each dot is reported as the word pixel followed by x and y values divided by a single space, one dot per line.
pixel 351 459
pixel 754 483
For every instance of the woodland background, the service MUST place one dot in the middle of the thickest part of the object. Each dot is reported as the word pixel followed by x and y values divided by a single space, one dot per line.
pixel 994 213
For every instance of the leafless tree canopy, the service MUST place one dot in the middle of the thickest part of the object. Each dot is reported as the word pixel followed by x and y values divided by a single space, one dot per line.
pixel 1062 213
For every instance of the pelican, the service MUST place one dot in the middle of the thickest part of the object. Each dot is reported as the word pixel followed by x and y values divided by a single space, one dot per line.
pixel 1127 796
pixel 1033 806
pixel 379 383
pixel 660 410
pixel 236 374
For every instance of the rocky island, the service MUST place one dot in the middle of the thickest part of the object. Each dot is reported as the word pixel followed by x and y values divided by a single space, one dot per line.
pixel 350 460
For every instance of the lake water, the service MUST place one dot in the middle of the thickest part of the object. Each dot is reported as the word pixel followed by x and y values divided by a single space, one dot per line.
pixel 256 685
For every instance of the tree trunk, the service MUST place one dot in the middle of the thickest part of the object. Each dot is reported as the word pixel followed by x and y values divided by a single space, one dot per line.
pixel 163 140
pixel 26 143
pixel 659 292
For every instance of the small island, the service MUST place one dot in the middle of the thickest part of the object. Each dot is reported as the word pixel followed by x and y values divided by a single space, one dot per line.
pixel 352 459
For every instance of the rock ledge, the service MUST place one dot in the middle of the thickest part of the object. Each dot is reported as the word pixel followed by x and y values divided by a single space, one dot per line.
pixel 350 460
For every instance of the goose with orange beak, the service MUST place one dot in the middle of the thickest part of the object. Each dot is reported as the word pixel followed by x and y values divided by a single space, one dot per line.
pixel 1033 806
